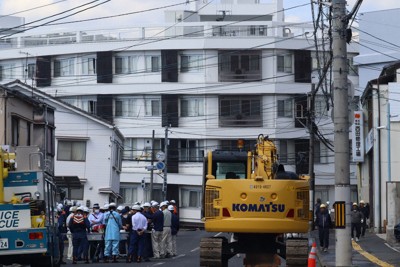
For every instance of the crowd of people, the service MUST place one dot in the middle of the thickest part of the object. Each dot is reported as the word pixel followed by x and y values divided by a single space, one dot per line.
pixel 151 229
pixel 323 221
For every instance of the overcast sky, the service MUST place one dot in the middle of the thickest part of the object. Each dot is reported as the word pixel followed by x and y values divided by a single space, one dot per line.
pixel 38 9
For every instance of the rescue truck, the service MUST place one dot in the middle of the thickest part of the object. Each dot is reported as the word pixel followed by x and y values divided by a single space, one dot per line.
pixel 264 208
pixel 28 230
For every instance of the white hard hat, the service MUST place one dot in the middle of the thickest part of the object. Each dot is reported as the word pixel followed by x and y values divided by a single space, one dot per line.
pixel 73 209
pixel 172 201
pixel 146 204
pixel 85 209
pixel 120 208
pixel 106 206
pixel 322 206
pixel 112 204
pixel 60 207
pixel 170 207
pixel 136 207
pixel 80 208
pixel 155 204
pixel 163 204
pixel 362 202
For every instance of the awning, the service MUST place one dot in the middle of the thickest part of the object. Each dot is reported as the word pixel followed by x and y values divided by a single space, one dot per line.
pixel 68 181
pixel 108 190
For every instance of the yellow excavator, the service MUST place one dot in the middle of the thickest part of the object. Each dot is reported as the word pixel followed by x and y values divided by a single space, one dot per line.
pixel 264 208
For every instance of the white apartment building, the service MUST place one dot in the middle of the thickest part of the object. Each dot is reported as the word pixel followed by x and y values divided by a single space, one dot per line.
pixel 214 73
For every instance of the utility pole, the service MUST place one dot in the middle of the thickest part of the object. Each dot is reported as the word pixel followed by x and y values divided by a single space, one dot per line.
pixel 311 114
pixel 152 164
pixel 164 188
pixel 341 128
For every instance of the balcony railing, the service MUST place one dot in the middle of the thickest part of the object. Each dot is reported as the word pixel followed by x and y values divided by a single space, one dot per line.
pixel 187 30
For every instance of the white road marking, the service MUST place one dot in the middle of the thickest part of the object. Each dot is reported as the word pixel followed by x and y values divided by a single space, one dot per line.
pixel 220 233
pixel 193 250
pixel 389 246
pixel 159 263
pixel 179 256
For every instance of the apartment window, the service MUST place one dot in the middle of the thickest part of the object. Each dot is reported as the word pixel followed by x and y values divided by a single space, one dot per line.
pixel 7 71
pixel 191 63
pixel 152 107
pixel 130 149
pixel 190 198
pixel 125 107
pixel 64 67
pixel 122 65
pixel 192 107
pixel 88 66
pixel 71 150
pixel 117 151
pixel 285 63
pixel 14 131
pixel 72 192
pixel 31 71
pixel 129 195
pixel 283 151
pixel 233 144
pixel 243 111
pixel 245 65
pixel 285 108
pixel 91 107
pixel 191 150
pixel 150 147
pixel 153 64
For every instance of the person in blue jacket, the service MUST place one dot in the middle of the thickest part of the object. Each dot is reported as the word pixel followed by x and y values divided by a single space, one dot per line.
pixel 113 223
pixel 79 225
pixel 174 228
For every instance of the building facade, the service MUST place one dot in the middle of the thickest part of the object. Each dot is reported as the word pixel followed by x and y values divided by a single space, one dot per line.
pixel 210 75
pixel 87 150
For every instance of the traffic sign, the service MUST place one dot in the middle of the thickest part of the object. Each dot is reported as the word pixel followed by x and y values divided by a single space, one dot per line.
pixel 160 156
pixel 160 165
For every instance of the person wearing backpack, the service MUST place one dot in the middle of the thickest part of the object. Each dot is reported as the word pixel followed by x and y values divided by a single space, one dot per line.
pixel 79 226
pixel 113 223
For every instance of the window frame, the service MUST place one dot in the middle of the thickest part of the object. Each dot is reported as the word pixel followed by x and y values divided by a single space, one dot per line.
pixel 71 143
pixel 64 67
pixel 284 63
pixel 282 111
pixel 187 203
pixel 194 105
pixel 151 111
pixel 88 66
pixel 192 63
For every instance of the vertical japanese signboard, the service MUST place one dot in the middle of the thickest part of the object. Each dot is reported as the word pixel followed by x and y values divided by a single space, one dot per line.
pixel 358 137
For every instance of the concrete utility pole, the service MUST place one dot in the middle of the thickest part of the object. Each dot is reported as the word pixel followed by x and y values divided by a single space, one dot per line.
pixel 164 188
pixel 152 164
pixel 341 128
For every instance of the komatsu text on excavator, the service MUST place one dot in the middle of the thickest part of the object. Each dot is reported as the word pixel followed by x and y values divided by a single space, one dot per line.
pixel 264 207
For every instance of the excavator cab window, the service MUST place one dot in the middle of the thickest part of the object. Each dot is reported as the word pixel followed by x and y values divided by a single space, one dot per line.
pixel 230 170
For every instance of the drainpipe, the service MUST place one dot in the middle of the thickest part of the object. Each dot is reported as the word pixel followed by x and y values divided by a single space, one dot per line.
pixel 377 161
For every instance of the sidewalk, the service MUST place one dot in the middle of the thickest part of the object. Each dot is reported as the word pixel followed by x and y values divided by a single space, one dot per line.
pixel 367 252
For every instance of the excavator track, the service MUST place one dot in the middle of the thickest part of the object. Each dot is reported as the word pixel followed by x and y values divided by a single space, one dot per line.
pixel 296 252
pixel 211 252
